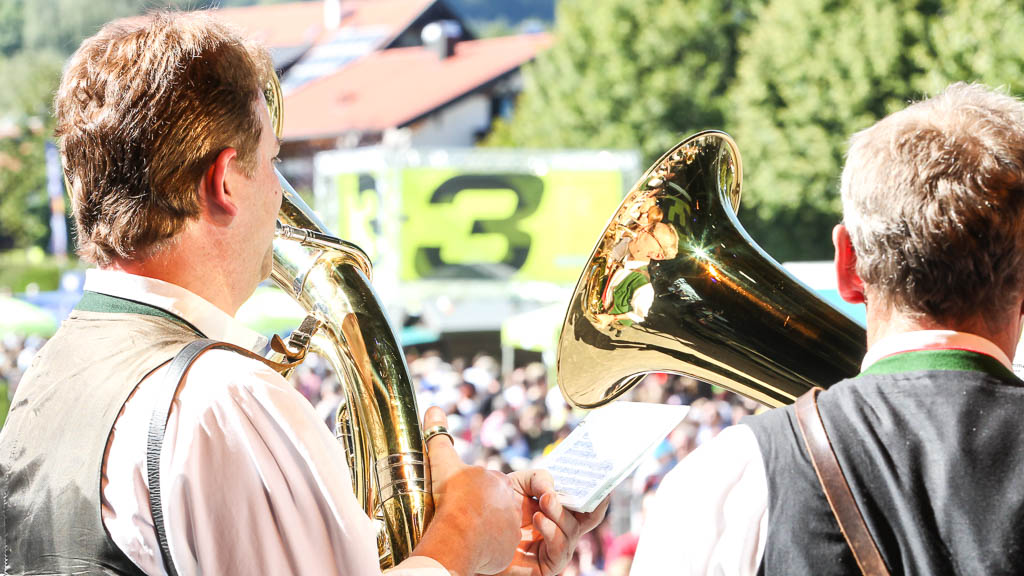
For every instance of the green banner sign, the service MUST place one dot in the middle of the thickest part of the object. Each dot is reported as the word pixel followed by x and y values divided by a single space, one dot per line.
pixel 462 224
pixel 523 226
pixel 359 208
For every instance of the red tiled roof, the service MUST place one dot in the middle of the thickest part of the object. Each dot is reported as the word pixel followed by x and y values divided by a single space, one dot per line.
pixel 393 87
pixel 298 23
pixel 392 14
pixel 277 25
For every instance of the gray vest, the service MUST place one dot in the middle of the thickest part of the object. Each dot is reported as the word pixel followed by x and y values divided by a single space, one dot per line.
pixel 932 445
pixel 52 446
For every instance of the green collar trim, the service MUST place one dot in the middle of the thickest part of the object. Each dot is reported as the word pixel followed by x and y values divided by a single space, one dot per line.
pixel 958 360
pixel 97 302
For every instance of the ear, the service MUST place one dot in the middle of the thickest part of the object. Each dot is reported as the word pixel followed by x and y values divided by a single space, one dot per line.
pixel 215 188
pixel 851 288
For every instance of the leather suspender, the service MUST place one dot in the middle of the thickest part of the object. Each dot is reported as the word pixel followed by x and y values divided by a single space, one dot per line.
pixel 837 490
pixel 176 372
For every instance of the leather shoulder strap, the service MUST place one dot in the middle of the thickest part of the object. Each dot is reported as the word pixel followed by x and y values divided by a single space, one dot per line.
pixel 177 370
pixel 837 490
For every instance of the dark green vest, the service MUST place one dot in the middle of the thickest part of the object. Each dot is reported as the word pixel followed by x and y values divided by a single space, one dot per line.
pixel 622 295
pixel 932 445
pixel 52 446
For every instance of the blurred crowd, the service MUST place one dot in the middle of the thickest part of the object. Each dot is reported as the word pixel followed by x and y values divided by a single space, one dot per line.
pixel 509 421
pixel 16 354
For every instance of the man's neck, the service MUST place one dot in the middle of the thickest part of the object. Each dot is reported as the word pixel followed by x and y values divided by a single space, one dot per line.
pixel 196 265
pixel 883 322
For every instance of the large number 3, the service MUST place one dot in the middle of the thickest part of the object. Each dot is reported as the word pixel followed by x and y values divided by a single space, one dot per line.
pixel 528 190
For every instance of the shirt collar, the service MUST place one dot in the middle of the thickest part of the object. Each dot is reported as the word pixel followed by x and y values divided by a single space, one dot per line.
pixel 209 319
pixel 933 340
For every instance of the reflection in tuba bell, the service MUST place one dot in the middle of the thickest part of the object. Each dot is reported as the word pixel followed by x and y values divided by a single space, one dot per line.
pixel 347 326
pixel 676 285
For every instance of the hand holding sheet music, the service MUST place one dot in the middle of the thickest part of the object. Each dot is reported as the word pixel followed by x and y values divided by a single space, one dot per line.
pixel 605 448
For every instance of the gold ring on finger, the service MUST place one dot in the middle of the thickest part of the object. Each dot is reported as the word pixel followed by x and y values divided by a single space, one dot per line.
pixel 437 431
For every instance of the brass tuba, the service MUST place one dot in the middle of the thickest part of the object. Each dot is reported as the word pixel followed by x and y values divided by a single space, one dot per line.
pixel 346 325
pixel 676 285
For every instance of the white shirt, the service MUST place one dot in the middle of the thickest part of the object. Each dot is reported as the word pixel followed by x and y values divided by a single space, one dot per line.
pixel 710 515
pixel 253 482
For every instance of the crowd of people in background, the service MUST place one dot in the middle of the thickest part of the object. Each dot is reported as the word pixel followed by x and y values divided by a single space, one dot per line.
pixel 509 421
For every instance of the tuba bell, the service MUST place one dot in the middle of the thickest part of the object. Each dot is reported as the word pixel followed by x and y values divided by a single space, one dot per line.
pixel 676 285
pixel 347 326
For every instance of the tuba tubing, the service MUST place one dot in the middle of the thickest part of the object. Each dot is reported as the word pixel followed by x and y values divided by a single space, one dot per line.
pixel 379 422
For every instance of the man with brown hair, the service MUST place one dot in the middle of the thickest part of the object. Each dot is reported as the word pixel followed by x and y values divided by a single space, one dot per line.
pixel 169 151
pixel 928 436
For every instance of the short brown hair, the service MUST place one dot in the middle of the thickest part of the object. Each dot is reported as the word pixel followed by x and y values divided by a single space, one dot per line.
pixel 933 197
pixel 143 109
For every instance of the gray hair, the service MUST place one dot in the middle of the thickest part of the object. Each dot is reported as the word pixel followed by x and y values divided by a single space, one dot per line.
pixel 933 198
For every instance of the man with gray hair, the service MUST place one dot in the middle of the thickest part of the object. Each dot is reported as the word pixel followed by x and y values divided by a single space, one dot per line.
pixel 927 438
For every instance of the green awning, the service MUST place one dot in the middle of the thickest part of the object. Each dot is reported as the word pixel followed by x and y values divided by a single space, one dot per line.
pixel 24 319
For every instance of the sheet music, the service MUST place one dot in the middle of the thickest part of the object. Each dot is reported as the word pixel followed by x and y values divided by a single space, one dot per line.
pixel 605 448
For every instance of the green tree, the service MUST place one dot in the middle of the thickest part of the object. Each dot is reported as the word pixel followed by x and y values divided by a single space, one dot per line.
pixel 31 79
pixel 25 207
pixel 972 41
pixel 812 73
pixel 61 24
pixel 24 204
pixel 628 74
pixel 11 22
